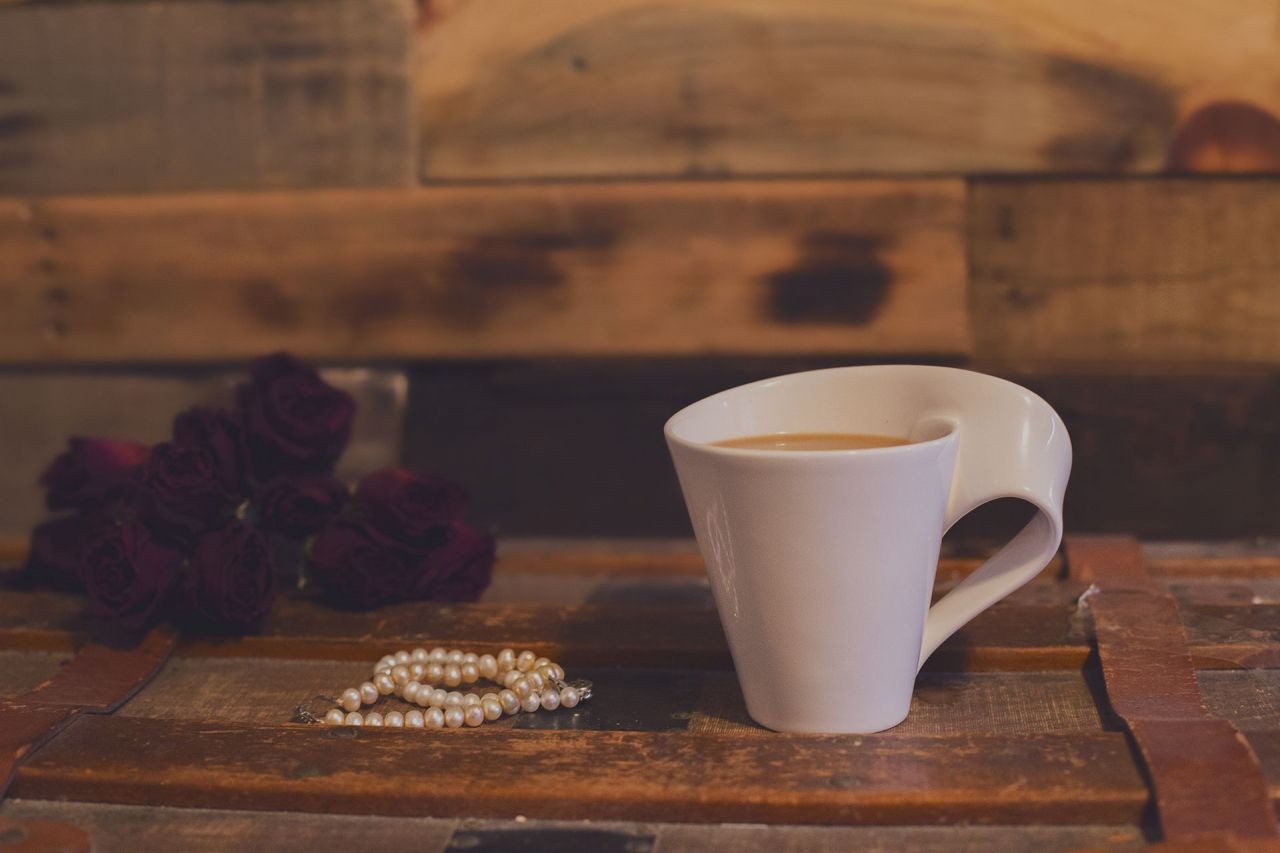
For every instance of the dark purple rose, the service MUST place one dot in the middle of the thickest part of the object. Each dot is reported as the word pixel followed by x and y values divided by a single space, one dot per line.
pixel 354 568
pixel 57 546
pixel 410 509
pixel 219 433
pixel 180 491
pixel 231 584
pixel 128 576
pixel 89 471
pixel 459 570
pixel 295 422
pixel 296 507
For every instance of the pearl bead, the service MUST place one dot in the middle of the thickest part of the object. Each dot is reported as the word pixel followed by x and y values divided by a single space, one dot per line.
pixel 531 702
pixel 454 718
pixel 455 657
pixel 537 682
pixel 410 691
pixel 393 719
pixel 452 675
pixel 511 677
pixel 541 662
pixel 434 718
pixel 506 660
pixel 569 697
pixel 434 673
pixel 488 666
pixel 384 684
pixel 373 718
pixel 546 672
pixel 334 717
pixel 438 655
pixel 417 670
pixel 471 657
pixel 386 662
pixel 509 700
pixel 522 688
pixel 550 699
pixel 438 698
pixel 368 693
pixel 524 661
pixel 557 671
pixel 354 718
pixel 350 699
pixel 470 673
pixel 400 674
pixel 470 700
pixel 473 716
pixel 425 692
pixel 418 655
pixel 413 719
pixel 403 658
pixel 491 706
pixel 453 700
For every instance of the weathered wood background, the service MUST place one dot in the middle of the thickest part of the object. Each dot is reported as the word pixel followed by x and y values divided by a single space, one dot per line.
pixel 559 222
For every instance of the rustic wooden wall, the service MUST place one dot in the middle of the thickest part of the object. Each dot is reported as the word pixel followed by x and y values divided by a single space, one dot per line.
pixel 567 219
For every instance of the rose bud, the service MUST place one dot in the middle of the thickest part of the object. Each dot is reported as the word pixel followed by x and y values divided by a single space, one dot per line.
pixel 180 491
pixel 57 547
pixel 353 568
pixel 296 507
pixel 128 576
pixel 459 570
pixel 295 422
pixel 90 471
pixel 220 434
pixel 231 583
pixel 410 509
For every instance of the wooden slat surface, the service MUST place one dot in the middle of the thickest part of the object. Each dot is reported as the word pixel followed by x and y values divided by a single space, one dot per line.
pixel 173 95
pixel 137 829
pixel 1171 271
pixel 869 267
pixel 634 775
pixel 736 87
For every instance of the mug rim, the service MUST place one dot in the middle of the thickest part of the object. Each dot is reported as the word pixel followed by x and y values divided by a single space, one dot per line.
pixel 669 429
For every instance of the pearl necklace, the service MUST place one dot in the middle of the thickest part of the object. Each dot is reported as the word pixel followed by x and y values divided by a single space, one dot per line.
pixel 528 681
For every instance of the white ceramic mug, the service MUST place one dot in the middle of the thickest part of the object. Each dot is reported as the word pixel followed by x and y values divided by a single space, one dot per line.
pixel 822 561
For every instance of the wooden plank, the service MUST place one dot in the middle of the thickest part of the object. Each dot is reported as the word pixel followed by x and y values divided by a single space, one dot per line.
pixel 155 95
pixel 1182 454
pixel 873 267
pixel 138 829
pixel 39 410
pixel 1172 271
pixel 1050 778
pixel 736 87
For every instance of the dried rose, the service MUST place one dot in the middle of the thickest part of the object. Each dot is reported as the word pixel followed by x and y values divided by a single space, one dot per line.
pixel 459 570
pixel 354 568
pixel 90 471
pixel 129 576
pixel 219 433
pixel 231 584
pixel 295 422
pixel 57 546
pixel 296 507
pixel 410 509
pixel 181 493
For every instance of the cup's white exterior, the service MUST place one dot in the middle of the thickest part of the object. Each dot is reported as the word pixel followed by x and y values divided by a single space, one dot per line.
pixel 822 562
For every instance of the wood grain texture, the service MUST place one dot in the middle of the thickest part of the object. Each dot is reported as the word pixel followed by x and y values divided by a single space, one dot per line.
pixel 1178 272
pixel 794 779
pixel 137 829
pixel 738 87
pixel 468 272
pixel 155 95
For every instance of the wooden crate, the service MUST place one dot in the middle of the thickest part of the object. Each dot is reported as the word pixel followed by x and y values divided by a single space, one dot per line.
pixel 1018 738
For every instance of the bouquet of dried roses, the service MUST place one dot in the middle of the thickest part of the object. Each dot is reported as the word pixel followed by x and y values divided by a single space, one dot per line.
pixel 191 529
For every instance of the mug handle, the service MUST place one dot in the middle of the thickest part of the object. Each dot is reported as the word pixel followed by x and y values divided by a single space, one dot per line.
pixel 1012 447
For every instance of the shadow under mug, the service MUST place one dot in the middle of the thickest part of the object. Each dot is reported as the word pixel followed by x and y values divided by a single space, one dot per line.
pixel 822 562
